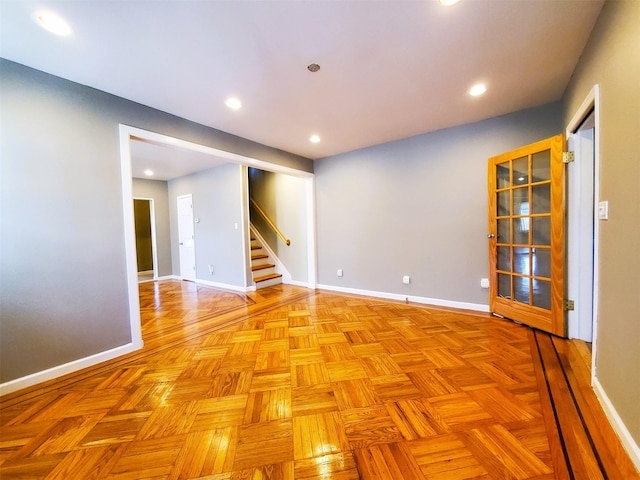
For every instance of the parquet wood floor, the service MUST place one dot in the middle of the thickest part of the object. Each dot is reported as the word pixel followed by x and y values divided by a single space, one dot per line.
pixel 290 383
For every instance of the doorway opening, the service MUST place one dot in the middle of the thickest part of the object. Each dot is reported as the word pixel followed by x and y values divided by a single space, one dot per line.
pixel 131 135
pixel 146 255
pixel 582 222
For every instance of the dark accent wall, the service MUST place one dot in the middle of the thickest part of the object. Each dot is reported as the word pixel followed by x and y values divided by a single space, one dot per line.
pixel 63 285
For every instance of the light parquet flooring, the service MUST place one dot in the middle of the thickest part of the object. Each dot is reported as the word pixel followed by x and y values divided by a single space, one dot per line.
pixel 289 383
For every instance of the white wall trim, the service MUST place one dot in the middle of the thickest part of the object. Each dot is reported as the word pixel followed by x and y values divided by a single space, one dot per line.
pixel 225 286
pixel 312 260
pixel 618 425
pixel 244 223
pixel 135 325
pixel 146 135
pixel 401 297
pixel 301 284
pixel 66 368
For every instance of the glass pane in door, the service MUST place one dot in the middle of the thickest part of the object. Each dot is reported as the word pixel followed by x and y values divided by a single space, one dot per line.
pixel 504 285
pixel 504 203
pixel 521 171
pixel 502 175
pixel 504 259
pixel 541 166
pixel 541 198
pixel 542 293
pixel 504 230
pixel 541 262
pixel 521 289
pixel 541 230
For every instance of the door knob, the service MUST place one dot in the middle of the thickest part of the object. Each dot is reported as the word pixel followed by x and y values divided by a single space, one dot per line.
pixel 491 235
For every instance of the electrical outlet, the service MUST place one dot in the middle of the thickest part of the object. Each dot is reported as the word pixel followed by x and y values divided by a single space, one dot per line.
pixel 339 272
pixel 484 282
pixel 406 279
pixel 210 269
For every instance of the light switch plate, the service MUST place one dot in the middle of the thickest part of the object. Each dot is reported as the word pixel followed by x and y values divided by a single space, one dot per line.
pixel 603 210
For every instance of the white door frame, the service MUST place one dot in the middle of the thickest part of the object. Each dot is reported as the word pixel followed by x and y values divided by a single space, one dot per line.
pixel 152 219
pixel 590 103
pixel 127 134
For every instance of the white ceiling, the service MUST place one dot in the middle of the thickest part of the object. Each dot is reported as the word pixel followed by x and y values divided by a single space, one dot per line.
pixel 389 69
pixel 167 162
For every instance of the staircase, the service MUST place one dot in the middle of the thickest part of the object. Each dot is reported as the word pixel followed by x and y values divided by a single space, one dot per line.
pixel 263 270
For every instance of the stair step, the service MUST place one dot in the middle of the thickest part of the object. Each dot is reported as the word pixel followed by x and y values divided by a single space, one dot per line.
pixel 262 267
pixel 256 247
pixel 259 256
pixel 267 277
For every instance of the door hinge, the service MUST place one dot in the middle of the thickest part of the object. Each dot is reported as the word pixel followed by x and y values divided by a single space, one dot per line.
pixel 568 305
pixel 568 157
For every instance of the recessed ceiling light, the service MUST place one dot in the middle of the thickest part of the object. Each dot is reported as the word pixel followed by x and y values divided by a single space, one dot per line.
pixel 448 3
pixel 314 139
pixel 233 103
pixel 148 172
pixel 53 23
pixel 313 68
pixel 478 89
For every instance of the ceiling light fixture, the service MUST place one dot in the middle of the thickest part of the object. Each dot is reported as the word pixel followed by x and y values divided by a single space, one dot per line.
pixel 313 68
pixel 233 103
pixel 478 89
pixel 53 23
pixel 314 139
pixel 148 172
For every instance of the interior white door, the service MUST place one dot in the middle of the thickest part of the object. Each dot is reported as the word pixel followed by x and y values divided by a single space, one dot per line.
pixel 186 238
pixel 580 231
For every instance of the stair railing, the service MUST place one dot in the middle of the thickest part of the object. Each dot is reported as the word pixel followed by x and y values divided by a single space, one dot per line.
pixel 270 223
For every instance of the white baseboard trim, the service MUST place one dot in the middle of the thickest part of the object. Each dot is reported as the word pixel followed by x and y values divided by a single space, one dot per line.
pixel 298 284
pixel 397 296
pixel 226 286
pixel 629 444
pixel 66 368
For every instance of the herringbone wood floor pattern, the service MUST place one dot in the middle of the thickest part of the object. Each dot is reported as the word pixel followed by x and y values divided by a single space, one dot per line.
pixel 290 383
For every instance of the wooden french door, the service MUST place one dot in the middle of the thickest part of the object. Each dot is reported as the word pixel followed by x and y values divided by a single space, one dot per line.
pixel 526 235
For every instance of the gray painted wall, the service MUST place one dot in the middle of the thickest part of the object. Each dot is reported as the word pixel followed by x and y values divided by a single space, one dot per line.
pixel 158 190
pixel 63 286
pixel 417 207
pixel 217 203
pixel 284 200
pixel 612 60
